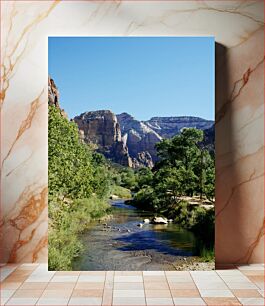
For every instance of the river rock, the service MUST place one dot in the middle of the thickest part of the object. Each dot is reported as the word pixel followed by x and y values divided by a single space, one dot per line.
pixel 146 221
pixel 114 197
pixel 140 224
pixel 160 220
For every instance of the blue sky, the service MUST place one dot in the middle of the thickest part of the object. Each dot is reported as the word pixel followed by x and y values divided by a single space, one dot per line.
pixel 143 76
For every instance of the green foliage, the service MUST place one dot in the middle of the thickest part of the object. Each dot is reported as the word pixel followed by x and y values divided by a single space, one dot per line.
pixel 79 184
pixel 121 192
pixel 128 178
pixel 201 222
pixel 68 219
pixel 184 169
pixel 144 177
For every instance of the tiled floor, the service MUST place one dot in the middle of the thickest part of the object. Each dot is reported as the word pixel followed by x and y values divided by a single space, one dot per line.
pixel 33 284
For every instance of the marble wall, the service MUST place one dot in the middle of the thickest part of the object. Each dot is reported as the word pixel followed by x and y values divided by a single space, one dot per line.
pixel 238 29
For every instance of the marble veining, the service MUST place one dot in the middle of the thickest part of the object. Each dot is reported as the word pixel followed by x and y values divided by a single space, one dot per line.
pixel 238 27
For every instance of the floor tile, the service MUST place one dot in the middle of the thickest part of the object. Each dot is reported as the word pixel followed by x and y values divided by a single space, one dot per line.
pixel 9 285
pixel 211 285
pixel 107 297
pixel 179 279
pixel 182 293
pixel 251 267
pixel 235 278
pixel 256 278
pixel 56 294
pixel 85 301
pixel 28 293
pixel 146 273
pixel 6 271
pixel 261 292
pixel 216 293
pixel 5 295
pixel 3 300
pixel 128 279
pixel 53 301
pixel 29 266
pixel 60 286
pixel 232 272
pixel 218 301
pixel 91 278
pixel 86 285
pixel 251 301
pixel 260 285
pixel 156 285
pixel 128 273
pixel 253 272
pixel 157 293
pixel 188 301
pixel 64 278
pixel 245 285
pixel 177 273
pixel 154 278
pixel 34 286
pixel 182 286
pixel 128 293
pixel 202 273
pixel 129 286
pixel 45 278
pixel 97 273
pixel 30 284
pixel 159 301
pixel 22 301
pixel 246 293
pixel 12 278
pixel 68 273
pixel 87 293
pixel 123 301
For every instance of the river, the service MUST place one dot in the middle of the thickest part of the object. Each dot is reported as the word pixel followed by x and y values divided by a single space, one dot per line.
pixel 122 245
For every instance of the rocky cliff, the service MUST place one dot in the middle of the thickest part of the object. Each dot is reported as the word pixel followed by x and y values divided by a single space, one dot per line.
pixel 168 127
pixel 53 96
pixel 131 142
pixel 102 129
pixel 141 136
pixel 126 140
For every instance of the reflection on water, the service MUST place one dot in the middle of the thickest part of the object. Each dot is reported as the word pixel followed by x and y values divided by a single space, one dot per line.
pixel 122 245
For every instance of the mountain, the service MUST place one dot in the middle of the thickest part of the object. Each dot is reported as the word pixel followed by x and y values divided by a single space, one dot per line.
pixel 143 135
pixel 131 142
pixel 101 128
pixel 168 127
pixel 138 136
pixel 126 140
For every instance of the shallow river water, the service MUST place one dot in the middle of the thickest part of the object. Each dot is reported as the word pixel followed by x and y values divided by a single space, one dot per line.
pixel 122 245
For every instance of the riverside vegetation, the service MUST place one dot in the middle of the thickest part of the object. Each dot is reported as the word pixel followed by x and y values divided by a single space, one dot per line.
pixel 185 170
pixel 81 182
pixel 79 186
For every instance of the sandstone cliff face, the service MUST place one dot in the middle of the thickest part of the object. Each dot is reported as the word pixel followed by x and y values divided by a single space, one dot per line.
pixel 102 129
pixel 53 96
pixel 141 136
pixel 168 127
pixel 130 142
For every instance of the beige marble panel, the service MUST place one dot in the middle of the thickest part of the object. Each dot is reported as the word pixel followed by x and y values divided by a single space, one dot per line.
pixel 237 25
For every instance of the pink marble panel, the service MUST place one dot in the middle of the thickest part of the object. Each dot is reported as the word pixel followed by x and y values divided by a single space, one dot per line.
pixel 237 26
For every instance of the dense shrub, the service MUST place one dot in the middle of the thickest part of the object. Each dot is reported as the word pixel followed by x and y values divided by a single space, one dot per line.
pixel 79 184
pixel 67 220
pixel 121 192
